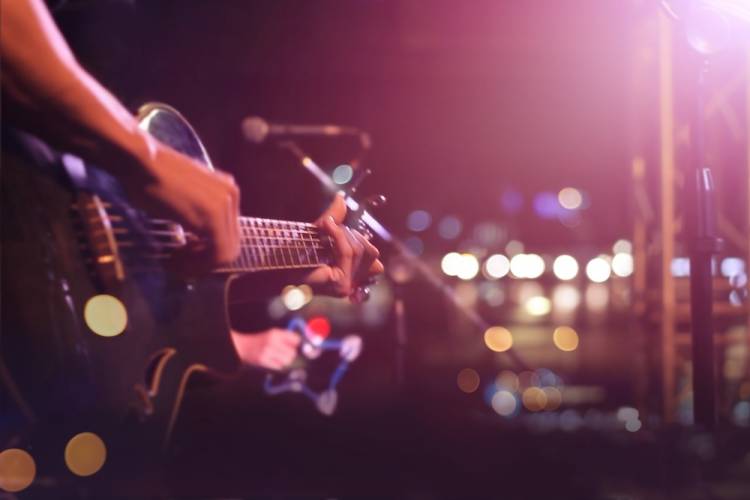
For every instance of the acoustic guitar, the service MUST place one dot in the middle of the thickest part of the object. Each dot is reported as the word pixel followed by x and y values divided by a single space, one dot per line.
pixel 94 322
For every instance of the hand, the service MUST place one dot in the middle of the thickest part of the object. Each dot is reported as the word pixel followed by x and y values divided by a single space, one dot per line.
pixel 273 349
pixel 356 259
pixel 206 202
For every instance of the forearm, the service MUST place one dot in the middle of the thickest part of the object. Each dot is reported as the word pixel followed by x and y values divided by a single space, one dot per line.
pixel 55 98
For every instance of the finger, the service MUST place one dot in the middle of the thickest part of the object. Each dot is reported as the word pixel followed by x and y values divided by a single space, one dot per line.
pixel 337 210
pixel 233 213
pixel 344 253
pixel 369 254
pixel 376 268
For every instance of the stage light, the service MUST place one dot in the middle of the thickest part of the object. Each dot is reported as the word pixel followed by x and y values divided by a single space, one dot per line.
pixel 527 266
pixel 450 227
pixel 732 266
pixel 622 264
pixel 627 413
pixel 565 267
pixel 554 398
pixel 711 24
pixel 497 266
pixel 598 270
pixel 565 298
pixel 342 174
pixel 451 263
pixel 546 205
pixel 538 306
pixel 513 247
pixel 680 267
pixel 85 454
pixel 507 380
pixel 565 338
pixel 468 380
pixel 534 399
pixel 17 470
pixel 418 220
pixel 296 297
pixel 622 246
pixel 414 244
pixel 504 403
pixel 570 198
pixel 105 315
pixel 498 339
pixel 468 267
pixel 633 425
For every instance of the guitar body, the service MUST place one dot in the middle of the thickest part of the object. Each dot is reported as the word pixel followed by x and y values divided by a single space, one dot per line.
pixel 68 235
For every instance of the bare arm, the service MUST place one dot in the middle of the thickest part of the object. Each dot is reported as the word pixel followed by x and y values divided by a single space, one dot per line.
pixel 52 96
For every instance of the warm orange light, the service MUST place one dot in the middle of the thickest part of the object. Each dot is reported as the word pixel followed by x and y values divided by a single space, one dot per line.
pixel 468 380
pixel 17 470
pixel 85 454
pixel 534 399
pixel 554 398
pixel 498 339
pixel 565 338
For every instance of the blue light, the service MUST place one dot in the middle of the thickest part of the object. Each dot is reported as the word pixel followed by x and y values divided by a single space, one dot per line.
pixel 450 227
pixel 418 220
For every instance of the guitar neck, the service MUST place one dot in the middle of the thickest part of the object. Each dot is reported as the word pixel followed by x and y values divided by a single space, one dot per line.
pixel 267 244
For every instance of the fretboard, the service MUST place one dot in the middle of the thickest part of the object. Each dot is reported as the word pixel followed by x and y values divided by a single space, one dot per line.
pixel 268 244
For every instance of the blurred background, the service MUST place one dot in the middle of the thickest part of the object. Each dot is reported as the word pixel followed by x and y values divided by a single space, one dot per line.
pixel 534 157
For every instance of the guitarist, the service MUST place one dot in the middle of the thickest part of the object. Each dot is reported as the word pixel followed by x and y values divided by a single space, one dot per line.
pixel 50 103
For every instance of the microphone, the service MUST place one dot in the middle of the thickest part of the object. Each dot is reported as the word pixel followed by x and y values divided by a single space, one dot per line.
pixel 256 129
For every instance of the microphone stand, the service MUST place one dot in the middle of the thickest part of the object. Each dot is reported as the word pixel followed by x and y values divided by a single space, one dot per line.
pixel 703 243
pixel 412 259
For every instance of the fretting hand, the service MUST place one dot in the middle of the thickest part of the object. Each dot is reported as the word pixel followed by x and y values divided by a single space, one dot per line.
pixel 356 259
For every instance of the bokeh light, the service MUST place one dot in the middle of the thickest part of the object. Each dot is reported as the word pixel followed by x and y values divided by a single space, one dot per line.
pixel 534 398
pixel 508 380
pixel 622 246
pixel 498 339
pixel 732 266
pixel 565 338
pixel 565 267
pixel 598 270
pixel 85 454
pixel 105 315
pixel 538 306
pixel 17 470
pixel 342 174
pixel 468 267
pixel 546 205
pixel 553 398
pixel 296 297
pixel 565 298
pixel 529 266
pixel 622 264
pixel 451 263
pixel 504 403
pixel 418 220
pixel 468 380
pixel 497 266
pixel 450 227
pixel 570 198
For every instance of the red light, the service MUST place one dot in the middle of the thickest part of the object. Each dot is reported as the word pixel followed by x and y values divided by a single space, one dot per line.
pixel 319 326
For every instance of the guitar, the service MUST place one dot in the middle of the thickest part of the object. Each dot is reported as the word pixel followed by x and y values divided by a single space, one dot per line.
pixel 94 323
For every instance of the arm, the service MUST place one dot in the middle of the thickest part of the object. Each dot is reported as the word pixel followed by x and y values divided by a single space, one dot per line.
pixel 52 96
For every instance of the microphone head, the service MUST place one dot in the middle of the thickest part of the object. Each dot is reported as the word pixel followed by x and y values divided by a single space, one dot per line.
pixel 255 129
